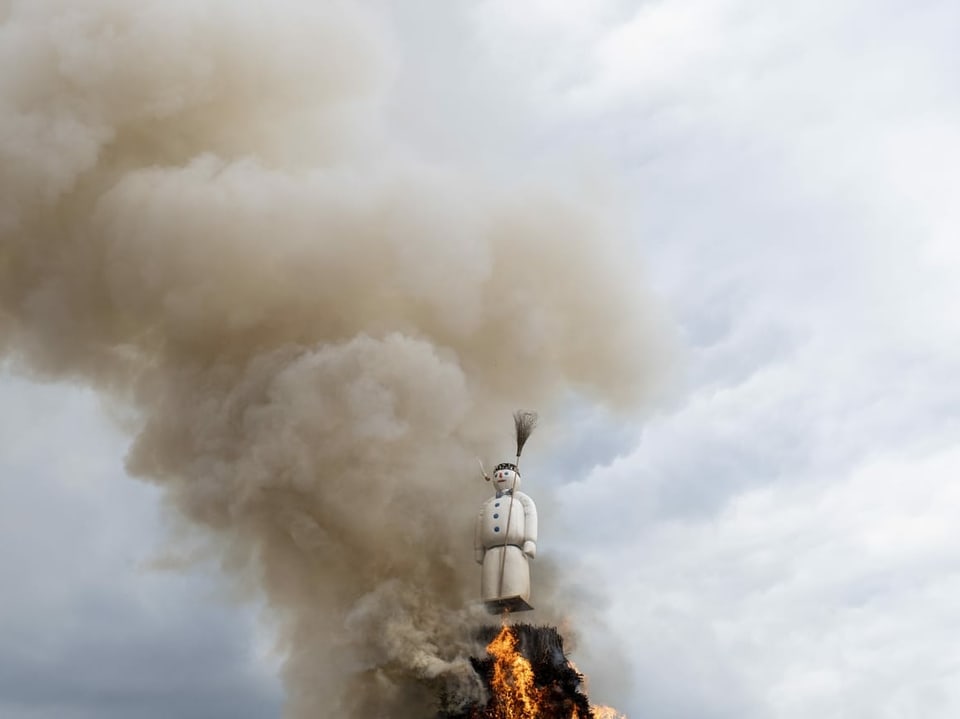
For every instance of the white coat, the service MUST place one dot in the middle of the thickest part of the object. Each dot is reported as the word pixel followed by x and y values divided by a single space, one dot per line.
pixel 499 544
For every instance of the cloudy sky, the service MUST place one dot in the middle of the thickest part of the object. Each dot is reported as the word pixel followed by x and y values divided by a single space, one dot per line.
pixel 777 536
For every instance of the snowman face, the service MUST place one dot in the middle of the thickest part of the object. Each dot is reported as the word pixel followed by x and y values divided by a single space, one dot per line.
pixel 505 480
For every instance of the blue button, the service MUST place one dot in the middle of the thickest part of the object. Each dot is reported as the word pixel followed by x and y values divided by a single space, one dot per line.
pixel 496 516
pixel 496 529
pixel 496 504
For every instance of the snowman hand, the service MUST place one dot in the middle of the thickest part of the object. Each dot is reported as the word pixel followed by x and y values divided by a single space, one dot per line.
pixel 530 549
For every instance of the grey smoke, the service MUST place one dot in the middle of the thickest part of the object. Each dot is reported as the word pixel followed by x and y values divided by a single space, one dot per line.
pixel 202 215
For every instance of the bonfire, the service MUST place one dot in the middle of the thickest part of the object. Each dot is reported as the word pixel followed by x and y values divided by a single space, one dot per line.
pixel 528 676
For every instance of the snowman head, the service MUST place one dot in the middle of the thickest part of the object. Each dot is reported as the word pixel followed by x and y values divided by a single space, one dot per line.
pixel 506 478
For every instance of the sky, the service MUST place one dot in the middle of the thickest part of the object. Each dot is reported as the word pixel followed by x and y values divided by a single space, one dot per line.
pixel 775 534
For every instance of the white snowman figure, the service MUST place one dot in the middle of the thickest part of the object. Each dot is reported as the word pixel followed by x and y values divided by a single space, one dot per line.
pixel 505 539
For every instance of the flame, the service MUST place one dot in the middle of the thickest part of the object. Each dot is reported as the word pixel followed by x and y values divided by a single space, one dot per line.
pixel 602 712
pixel 514 694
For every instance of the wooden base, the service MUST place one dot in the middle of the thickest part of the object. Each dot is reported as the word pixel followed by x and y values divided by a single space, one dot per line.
pixel 508 605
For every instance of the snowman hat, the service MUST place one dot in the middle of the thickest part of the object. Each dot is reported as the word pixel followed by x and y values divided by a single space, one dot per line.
pixel 525 421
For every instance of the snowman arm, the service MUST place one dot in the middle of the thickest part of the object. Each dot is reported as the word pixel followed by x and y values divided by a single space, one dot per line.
pixel 529 525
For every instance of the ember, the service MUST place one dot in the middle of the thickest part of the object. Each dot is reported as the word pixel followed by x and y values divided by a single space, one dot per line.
pixel 528 676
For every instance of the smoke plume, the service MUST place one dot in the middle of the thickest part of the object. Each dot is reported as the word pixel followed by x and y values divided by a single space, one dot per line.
pixel 202 215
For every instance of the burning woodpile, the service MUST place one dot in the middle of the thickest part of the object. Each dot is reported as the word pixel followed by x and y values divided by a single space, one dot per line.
pixel 528 676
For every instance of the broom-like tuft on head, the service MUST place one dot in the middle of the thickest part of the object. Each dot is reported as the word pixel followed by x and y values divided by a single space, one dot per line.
pixel 525 422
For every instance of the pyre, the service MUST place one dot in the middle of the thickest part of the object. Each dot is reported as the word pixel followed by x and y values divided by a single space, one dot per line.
pixel 527 676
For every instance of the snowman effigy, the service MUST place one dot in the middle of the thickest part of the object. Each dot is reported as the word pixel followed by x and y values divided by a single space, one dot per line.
pixel 506 533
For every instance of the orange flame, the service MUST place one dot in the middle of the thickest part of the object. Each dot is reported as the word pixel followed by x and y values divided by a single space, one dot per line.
pixel 602 712
pixel 514 693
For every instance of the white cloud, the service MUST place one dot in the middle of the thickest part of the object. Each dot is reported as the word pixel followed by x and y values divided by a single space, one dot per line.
pixel 830 597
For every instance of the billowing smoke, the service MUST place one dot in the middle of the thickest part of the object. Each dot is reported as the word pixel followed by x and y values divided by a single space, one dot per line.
pixel 202 216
